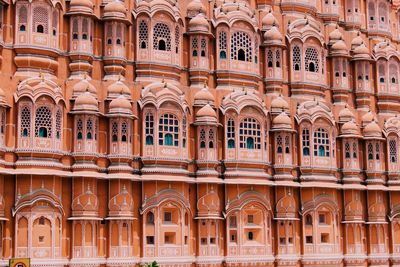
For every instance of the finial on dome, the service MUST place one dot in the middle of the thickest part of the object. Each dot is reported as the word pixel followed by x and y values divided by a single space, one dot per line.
pixel 165 85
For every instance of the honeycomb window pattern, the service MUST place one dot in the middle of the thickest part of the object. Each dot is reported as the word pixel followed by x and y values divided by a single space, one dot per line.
pixel 143 34
pixel 43 122
pixel 311 60
pixel 296 58
pixel 25 122
pixel 241 47
pixel 40 18
pixel 161 37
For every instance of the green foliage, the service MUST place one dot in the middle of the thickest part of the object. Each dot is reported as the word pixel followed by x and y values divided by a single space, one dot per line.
pixel 153 264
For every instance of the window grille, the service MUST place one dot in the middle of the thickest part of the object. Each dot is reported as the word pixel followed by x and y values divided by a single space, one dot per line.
pixel 168 130
pixel 250 134
pixel 321 143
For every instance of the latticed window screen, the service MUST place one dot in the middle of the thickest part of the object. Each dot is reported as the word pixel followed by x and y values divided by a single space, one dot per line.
pixel 79 129
pixel 210 138
pixel 124 131
pixel 3 122
pixel 184 132
pixel 58 124
pixel 89 129
pixel 305 137
pixel 296 58
pixel 355 150
pixel 277 59
pixel 143 34
pixel 393 73
pixel 321 143
pixel 161 37
pixel 222 39
pixel 287 144
pixel 202 138
pixel 279 144
pixel 40 17
pixel 23 15
pixel 25 122
pixel 370 151
pixel 168 130
pixel 203 47
pixel 55 22
pixel 231 133
pixel 177 38
pixel 119 35
pixel 250 134
pixel 149 129
pixel 269 59
pixel 393 150
pixel 43 122
pixel 195 46
pixel 377 151
pixel 75 28
pixel 347 150
pixel 114 131
pixel 311 60
pixel 241 47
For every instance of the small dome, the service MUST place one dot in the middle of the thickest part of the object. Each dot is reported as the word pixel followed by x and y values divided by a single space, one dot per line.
pixel 206 115
pixel 268 21
pixel 367 117
pixel 115 10
pixel 199 24
pixel 279 103
pixel 339 48
pixel 282 121
pixel 120 105
pixel 335 35
pixel 81 6
pixel 361 51
pixel 273 35
pixel 350 128
pixel 86 102
pixel 195 7
pixel 83 86
pixel 118 88
pixel 204 94
pixel 345 115
pixel 372 130
pixel 357 41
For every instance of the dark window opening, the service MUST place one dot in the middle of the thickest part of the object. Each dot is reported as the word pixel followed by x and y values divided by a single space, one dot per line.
pixel 241 55
pixel 222 55
pixel 40 29
pixel 161 45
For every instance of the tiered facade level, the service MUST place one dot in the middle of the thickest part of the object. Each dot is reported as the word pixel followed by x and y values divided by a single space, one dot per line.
pixel 200 133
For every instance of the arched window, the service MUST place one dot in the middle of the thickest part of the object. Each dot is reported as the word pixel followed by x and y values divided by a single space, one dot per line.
pixel 202 139
pixel 311 60
pixel 143 34
pixel 251 235
pixel 222 45
pixel 287 144
pixel 161 37
pixel 279 149
pixel 124 132
pixel 22 28
pixel 296 58
pixel 269 59
pixel 22 18
pixel 306 142
pixel 89 129
pixel 168 130
pixel 114 131
pixel 149 129
pixel 150 218
pixel 347 150
pixel 355 150
pixel 377 151
pixel 40 20
pixel 203 47
pixel 321 143
pixel 393 151
pixel 210 138
pixel 277 59
pixel 195 46
pixel 85 29
pixel 250 134
pixel 370 152
pixel 184 132
pixel 43 122
pixel 177 38
pixel 25 122
pixel 309 219
pixel 79 129
pixel 231 133
pixel 241 47
pixel 119 34
pixel 58 124
pixel 382 73
pixel 371 11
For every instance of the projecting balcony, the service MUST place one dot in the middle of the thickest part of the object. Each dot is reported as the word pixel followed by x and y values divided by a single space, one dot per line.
pixel 355 249
pixel 120 251
pixel 320 249
pixel 85 252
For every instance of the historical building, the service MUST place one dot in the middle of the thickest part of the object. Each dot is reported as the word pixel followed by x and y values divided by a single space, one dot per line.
pixel 200 133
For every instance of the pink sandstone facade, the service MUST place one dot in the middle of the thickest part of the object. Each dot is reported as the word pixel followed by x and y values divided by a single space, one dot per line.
pixel 200 133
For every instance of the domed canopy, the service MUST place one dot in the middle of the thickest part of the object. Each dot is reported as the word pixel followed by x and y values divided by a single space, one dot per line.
pixel 199 24
pixel 120 106
pixel 117 88
pixel 339 49
pixel 335 35
pixel 357 41
pixel 282 122
pixel 84 7
pixel 361 52
pixel 268 21
pixel 345 115
pixel 195 7
pixel 203 97
pixel 279 104
pixel 367 118
pixel 273 37
pixel 115 10
pixel 372 131
pixel 350 129
pixel 206 115
pixel 83 86
pixel 86 102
